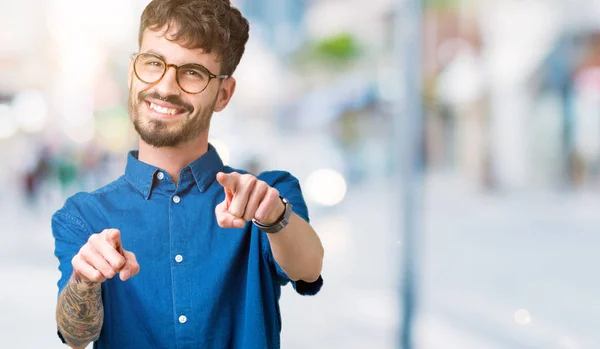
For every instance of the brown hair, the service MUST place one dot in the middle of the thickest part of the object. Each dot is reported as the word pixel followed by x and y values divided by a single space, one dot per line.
pixel 211 25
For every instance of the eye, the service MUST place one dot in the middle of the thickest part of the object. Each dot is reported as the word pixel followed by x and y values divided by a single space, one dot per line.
pixel 155 63
pixel 194 73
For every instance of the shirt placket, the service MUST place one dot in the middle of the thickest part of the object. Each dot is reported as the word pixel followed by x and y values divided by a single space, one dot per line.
pixel 182 318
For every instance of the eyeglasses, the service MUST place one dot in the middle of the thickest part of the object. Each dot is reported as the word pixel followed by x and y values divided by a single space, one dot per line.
pixel 192 78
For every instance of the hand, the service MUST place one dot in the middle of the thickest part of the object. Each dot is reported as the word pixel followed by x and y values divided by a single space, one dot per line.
pixel 247 198
pixel 103 257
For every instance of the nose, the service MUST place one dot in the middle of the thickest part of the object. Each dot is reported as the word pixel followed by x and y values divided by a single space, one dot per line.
pixel 167 86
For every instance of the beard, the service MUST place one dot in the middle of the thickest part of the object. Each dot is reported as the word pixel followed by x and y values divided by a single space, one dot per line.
pixel 159 133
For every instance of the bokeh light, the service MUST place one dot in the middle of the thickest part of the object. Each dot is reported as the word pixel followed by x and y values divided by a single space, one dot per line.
pixel 31 111
pixel 326 187
pixel 8 125
pixel 522 317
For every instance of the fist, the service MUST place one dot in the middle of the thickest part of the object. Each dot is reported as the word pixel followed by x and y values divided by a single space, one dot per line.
pixel 247 198
pixel 103 257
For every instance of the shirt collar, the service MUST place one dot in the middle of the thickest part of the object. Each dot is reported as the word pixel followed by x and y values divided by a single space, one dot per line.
pixel 204 170
pixel 206 167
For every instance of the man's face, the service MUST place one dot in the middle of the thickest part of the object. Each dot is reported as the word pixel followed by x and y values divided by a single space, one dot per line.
pixel 162 113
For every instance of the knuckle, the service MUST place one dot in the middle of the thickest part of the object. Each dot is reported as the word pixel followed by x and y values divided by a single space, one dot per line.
pixel 85 251
pixel 250 210
pixel 120 263
pixel 76 264
pixel 235 211
pixel 96 276
pixel 262 185
pixel 109 273
pixel 260 216
pixel 106 233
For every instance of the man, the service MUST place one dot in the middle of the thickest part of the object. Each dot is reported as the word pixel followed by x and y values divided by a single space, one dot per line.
pixel 200 249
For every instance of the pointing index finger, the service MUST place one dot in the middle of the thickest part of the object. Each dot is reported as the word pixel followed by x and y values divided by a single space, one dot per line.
pixel 113 236
pixel 227 180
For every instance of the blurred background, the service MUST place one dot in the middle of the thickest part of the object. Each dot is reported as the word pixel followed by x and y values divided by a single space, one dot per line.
pixel 505 182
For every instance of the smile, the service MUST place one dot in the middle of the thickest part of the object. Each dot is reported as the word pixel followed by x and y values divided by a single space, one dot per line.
pixel 164 110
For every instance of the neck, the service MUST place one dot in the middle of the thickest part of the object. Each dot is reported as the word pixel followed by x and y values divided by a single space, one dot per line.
pixel 173 159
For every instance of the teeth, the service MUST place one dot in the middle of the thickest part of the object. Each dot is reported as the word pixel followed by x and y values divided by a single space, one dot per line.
pixel 162 110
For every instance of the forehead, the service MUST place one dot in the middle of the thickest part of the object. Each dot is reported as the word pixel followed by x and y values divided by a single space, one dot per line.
pixel 157 41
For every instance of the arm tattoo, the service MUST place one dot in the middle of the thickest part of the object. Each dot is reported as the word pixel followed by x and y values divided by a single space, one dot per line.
pixel 80 312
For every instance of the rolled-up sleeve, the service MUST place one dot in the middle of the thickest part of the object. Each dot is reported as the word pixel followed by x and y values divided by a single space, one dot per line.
pixel 289 188
pixel 70 233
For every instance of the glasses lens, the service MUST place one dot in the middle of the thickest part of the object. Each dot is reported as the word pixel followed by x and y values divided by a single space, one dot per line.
pixel 193 78
pixel 149 68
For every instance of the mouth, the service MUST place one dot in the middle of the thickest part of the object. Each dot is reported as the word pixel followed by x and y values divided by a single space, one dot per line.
pixel 164 110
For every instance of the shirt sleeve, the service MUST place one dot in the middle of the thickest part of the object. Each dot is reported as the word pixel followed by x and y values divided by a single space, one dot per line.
pixel 289 188
pixel 70 233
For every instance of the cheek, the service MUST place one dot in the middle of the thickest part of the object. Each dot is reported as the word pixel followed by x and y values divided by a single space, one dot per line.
pixel 137 87
pixel 199 103
pixel 133 92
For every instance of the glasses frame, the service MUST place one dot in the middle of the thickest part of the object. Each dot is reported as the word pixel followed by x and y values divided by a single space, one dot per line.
pixel 211 76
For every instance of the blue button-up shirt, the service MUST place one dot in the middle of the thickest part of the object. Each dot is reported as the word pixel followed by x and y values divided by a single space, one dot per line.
pixel 200 285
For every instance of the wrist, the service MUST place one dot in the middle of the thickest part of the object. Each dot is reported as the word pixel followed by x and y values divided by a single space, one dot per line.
pixel 276 215
pixel 274 225
pixel 82 283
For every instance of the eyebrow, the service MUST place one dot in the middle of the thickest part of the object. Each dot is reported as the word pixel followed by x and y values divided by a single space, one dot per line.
pixel 156 53
pixel 165 59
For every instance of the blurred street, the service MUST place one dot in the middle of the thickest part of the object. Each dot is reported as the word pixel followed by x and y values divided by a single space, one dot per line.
pixel 495 102
pixel 483 259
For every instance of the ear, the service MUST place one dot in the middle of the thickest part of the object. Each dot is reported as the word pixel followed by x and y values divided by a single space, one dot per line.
pixel 226 91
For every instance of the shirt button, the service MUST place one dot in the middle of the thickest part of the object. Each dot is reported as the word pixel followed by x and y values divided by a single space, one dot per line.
pixel 176 199
pixel 182 319
pixel 179 258
pixel 160 176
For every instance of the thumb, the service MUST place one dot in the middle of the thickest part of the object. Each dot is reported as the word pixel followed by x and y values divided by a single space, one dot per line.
pixel 124 274
pixel 131 267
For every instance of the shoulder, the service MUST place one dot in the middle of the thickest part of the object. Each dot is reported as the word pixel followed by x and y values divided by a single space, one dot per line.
pixel 78 206
pixel 277 177
pixel 289 187
pixel 274 178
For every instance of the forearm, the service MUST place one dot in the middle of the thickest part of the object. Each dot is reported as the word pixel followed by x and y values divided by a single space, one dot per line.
pixel 298 250
pixel 80 313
